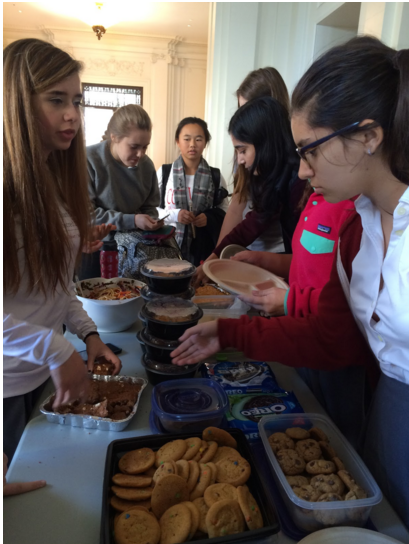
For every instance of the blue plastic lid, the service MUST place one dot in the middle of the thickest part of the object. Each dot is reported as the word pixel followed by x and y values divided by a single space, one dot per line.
pixel 195 399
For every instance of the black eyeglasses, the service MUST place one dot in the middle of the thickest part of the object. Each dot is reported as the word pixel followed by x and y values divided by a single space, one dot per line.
pixel 303 151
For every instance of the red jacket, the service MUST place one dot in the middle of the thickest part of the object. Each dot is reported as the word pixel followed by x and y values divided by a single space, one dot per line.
pixel 314 244
pixel 328 341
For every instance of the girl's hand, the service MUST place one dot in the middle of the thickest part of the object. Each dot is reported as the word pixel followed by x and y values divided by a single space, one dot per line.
pixel 70 380
pixel 200 220
pixel 96 349
pixel 185 217
pixel 145 222
pixel 251 257
pixel 17 488
pixel 269 301
pixel 198 343
pixel 199 277
pixel 98 232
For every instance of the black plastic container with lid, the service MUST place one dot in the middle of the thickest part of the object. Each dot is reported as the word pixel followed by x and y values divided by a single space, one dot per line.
pixel 156 348
pixel 158 372
pixel 168 276
pixel 167 318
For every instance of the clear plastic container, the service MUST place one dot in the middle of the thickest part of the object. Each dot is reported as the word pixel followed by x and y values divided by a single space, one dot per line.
pixel 312 516
pixel 214 302
pixel 189 405
pixel 235 311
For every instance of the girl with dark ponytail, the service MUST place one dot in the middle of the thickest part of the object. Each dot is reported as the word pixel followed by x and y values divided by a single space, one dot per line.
pixel 350 119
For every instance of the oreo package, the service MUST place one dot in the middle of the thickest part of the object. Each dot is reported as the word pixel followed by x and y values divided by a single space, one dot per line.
pixel 242 376
pixel 253 392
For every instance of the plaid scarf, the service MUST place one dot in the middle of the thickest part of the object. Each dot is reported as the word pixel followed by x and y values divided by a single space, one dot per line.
pixel 202 198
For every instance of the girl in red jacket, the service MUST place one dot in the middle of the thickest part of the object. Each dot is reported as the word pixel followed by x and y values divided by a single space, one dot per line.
pixel 350 122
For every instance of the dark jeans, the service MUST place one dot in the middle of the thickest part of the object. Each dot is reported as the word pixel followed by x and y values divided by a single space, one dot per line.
pixel 16 413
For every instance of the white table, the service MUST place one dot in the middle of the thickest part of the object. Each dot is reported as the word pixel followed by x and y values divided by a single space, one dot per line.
pixel 71 460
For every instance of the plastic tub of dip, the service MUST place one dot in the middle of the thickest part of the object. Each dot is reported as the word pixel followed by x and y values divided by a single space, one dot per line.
pixel 189 406
pixel 318 514
pixel 168 276
pixel 168 317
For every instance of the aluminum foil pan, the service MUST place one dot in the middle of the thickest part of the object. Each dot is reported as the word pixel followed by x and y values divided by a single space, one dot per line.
pixel 95 422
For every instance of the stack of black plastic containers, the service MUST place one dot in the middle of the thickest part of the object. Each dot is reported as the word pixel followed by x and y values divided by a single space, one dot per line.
pixel 166 314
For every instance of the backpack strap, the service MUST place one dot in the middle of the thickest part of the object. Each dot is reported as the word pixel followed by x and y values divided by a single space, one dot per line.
pixel 215 172
pixel 166 168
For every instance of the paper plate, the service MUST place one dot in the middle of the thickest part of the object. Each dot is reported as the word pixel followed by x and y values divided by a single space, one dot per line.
pixel 231 250
pixel 347 535
pixel 241 278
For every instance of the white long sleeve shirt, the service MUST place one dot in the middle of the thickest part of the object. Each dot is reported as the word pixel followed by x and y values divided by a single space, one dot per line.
pixel 32 326
pixel 170 207
pixel 389 337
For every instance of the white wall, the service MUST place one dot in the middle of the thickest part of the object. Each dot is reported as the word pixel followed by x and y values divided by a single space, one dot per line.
pixel 172 74
pixel 245 36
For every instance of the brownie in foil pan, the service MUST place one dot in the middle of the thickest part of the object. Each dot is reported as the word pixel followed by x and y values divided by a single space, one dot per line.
pixel 66 415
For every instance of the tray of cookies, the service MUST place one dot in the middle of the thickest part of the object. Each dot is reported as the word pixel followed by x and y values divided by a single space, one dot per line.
pixel 322 480
pixel 111 403
pixel 175 489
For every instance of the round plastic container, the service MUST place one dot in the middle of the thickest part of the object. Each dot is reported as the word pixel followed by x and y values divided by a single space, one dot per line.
pixel 169 317
pixel 189 406
pixel 155 348
pixel 160 372
pixel 168 276
pixel 147 294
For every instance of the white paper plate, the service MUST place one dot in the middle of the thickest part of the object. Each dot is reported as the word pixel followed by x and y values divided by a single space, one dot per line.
pixel 241 278
pixel 347 535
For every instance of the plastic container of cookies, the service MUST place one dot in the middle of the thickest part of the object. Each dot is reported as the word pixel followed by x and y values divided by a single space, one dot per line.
pixel 313 516
pixel 188 406
pixel 118 448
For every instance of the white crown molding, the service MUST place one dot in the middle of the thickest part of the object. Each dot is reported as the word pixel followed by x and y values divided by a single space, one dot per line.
pixel 113 66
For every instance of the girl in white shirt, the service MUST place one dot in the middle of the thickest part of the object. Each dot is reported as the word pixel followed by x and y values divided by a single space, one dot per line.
pixel 189 192
pixel 46 223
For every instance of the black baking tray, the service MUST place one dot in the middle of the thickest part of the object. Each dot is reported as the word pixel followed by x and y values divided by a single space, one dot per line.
pixel 118 448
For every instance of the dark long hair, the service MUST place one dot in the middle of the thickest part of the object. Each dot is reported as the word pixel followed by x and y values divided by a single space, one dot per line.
pixel 361 79
pixel 193 121
pixel 263 122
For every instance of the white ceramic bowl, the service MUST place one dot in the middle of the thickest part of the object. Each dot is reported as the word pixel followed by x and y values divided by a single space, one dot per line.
pixel 109 315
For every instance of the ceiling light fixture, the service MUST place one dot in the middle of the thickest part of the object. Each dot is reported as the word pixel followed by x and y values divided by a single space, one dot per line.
pixel 99 29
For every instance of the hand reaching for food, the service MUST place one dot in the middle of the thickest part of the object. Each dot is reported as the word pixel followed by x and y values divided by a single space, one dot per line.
pixel 198 343
pixel 97 349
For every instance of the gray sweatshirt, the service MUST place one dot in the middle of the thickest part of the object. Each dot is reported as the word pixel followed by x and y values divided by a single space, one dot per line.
pixel 118 192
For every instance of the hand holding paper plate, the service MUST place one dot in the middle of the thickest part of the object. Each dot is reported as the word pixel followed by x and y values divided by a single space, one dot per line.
pixel 241 278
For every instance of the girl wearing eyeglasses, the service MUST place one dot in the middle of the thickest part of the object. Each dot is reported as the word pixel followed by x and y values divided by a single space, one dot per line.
pixel 350 118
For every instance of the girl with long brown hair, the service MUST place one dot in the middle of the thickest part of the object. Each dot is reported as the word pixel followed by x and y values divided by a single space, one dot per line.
pixel 46 223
